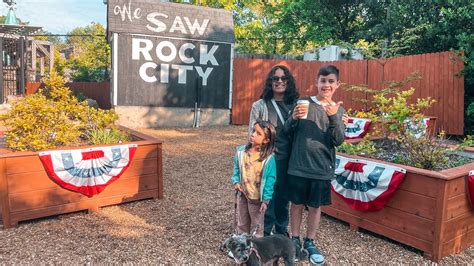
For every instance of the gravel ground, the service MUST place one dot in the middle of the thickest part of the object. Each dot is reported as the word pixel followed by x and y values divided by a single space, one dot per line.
pixel 189 224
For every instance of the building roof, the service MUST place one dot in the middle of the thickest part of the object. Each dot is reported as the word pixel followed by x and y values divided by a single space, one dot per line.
pixel 11 19
pixel 18 29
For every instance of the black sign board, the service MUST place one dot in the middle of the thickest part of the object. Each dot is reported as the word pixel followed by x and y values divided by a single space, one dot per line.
pixel 155 71
pixel 162 53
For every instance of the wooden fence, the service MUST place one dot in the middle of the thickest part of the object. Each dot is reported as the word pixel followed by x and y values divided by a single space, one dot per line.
pixel 440 81
pixel 99 91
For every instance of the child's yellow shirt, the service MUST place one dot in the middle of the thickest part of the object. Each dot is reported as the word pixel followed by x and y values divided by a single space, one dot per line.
pixel 251 173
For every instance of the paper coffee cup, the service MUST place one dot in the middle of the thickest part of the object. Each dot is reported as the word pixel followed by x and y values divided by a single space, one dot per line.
pixel 305 105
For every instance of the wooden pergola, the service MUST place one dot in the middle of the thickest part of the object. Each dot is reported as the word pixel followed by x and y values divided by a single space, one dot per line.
pixel 22 57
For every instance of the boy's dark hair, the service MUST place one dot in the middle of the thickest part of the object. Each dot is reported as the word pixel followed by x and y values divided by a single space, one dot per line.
pixel 270 132
pixel 291 93
pixel 328 70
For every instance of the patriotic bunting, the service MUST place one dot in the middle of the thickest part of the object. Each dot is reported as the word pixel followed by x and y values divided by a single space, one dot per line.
pixel 420 129
pixel 470 188
pixel 87 171
pixel 357 127
pixel 365 185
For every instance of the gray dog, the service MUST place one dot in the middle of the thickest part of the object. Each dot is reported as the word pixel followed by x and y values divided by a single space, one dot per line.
pixel 259 251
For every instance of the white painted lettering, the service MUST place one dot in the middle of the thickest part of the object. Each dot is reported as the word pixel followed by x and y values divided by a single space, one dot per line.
pixel 182 72
pixel 159 51
pixel 205 55
pixel 138 49
pixel 204 74
pixel 182 53
pixel 195 26
pixel 166 52
pixel 124 12
pixel 137 14
pixel 143 72
pixel 160 26
pixel 164 73
pixel 178 25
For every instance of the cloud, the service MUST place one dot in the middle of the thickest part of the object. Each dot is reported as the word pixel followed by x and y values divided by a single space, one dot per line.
pixel 59 16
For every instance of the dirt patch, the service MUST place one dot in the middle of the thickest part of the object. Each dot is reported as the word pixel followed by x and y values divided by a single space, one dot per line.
pixel 189 224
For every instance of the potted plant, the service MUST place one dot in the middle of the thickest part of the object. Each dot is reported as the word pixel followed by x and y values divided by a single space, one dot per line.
pixel 55 123
pixel 430 209
pixel 387 107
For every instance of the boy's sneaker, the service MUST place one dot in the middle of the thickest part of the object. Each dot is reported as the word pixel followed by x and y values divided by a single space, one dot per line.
pixel 297 242
pixel 314 255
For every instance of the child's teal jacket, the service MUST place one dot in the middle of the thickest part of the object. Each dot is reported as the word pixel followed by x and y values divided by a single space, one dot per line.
pixel 268 173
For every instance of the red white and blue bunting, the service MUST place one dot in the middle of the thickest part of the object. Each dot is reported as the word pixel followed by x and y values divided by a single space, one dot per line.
pixel 365 185
pixel 418 130
pixel 357 127
pixel 87 171
pixel 470 188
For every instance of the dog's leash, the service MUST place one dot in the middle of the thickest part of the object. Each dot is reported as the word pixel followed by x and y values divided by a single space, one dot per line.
pixel 252 246
pixel 252 235
pixel 236 198
pixel 254 250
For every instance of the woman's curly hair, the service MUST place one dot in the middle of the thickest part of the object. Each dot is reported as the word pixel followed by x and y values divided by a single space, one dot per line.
pixel 291 93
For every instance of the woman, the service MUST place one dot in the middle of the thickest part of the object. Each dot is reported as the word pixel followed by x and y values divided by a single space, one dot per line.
pixel 278 98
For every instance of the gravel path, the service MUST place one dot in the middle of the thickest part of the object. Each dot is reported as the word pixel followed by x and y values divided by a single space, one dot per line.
pixel 187 226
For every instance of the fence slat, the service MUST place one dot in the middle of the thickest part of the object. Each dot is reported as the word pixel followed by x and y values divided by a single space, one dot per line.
pixel 438 81
pixel 99 91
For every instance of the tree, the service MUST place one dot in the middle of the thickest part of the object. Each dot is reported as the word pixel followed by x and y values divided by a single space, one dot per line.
pixel 437 26
pixel 48 36
pixel 226 4
pixel 91 57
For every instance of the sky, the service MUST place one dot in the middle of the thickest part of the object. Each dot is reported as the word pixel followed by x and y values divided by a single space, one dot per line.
pixel 58 16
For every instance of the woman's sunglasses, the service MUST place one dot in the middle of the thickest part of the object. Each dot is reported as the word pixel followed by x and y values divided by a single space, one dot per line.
pixel 277 78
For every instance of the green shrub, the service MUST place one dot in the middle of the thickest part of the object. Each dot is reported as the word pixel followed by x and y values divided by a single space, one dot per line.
pixel 365 148
pixel 425 152
pixel 468 141
pixel 36 123
pixel 107 136
pixel 52 118
pixel 390 106
pixel 80 97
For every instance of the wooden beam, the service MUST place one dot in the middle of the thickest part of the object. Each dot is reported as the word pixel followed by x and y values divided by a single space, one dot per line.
pixel 43 42
pixel 22 65
pixel 42 49
pixel 42 66
pixel 51 58
pixel 33 57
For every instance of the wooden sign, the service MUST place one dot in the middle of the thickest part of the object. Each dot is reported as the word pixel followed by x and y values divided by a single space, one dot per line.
pixel 162 53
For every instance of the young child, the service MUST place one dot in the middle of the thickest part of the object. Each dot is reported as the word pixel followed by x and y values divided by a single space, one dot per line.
pixel 254 177
pixel 313 157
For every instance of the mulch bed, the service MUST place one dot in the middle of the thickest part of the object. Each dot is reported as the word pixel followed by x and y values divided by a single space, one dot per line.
pixel 189 224
pixel 390 150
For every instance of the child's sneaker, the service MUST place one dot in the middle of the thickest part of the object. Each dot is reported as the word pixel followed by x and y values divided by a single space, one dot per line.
pixel 296 240
pixel 314 255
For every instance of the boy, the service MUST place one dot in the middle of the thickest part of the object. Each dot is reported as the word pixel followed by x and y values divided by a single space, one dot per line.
pixel 313 156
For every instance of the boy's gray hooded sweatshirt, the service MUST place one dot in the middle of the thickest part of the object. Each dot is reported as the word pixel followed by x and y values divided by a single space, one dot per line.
pixel 313 153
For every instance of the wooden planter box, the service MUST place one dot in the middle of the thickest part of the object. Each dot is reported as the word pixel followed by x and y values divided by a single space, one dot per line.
pixel 26 191
pixel 429 211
